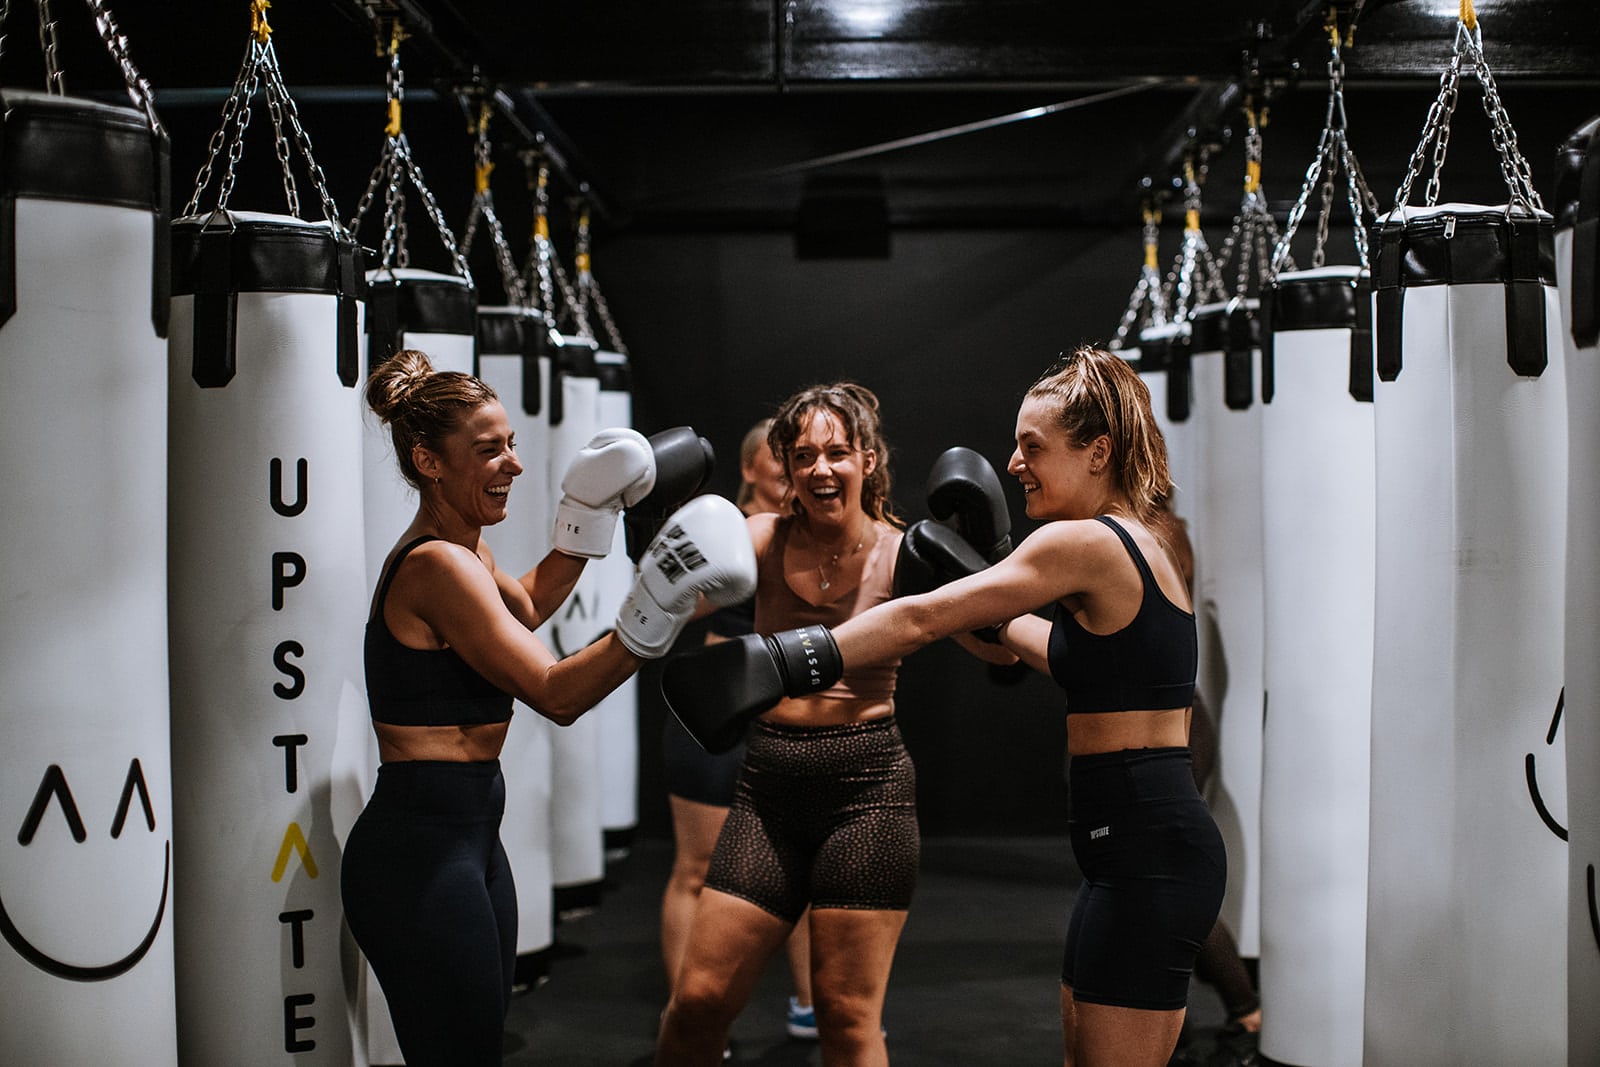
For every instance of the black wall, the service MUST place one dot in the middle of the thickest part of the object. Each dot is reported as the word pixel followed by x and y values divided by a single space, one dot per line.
pixel 948 331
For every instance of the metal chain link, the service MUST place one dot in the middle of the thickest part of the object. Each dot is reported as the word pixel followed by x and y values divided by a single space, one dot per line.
pixel 1333 153
pixel 1513 166
pixel 219 138
pixel 53 80
pixel 396 164
pixel 585 279
pixel 138 88
pixel 1435 128
pixel 261 71
pixel 1197 278
pixel 539 254
pixel 241 123
pixel 330 210
pixel 483 210
pixel 1147 304
pixel 280 143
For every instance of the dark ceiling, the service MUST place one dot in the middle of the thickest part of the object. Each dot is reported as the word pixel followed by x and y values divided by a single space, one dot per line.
pixel 713 115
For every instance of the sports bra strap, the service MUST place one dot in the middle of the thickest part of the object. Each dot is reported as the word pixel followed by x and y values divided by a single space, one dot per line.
pixel 388 575
pixel 1133 550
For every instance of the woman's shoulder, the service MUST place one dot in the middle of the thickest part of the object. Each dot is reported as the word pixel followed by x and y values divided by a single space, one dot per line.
pixel 764 526
pixel 435 559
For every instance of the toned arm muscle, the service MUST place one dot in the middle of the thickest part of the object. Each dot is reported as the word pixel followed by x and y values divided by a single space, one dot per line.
pixel 458 597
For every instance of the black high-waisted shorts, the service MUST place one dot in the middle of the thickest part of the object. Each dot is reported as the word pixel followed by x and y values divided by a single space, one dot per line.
pixel 825 816
pixel 1154 872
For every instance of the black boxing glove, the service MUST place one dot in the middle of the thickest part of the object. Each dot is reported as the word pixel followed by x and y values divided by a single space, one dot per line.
pixel 964 492
pixel 684 461
pixel 717 690
pixel 931 555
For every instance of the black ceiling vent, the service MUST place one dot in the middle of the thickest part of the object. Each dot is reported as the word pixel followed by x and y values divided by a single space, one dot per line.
pixel 842 216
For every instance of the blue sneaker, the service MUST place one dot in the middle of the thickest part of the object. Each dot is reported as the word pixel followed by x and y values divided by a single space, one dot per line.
pixel 802 1022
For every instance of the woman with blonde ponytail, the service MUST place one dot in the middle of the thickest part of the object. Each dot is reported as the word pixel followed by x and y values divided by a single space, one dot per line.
pixel 1120 640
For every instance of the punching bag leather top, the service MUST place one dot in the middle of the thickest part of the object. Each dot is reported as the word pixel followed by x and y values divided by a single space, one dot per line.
pixel 86 891
pixel 69 150
pixel 219 256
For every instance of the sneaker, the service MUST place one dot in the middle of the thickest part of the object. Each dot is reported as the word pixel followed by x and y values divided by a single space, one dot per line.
pixel 802 1022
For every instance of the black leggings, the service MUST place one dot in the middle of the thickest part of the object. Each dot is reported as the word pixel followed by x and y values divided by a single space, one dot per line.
pixel 428 895
pixel 1154 872
pixel 825 816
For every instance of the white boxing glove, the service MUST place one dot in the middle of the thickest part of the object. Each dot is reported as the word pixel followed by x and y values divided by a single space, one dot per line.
pixel 703 549
pixel 614 470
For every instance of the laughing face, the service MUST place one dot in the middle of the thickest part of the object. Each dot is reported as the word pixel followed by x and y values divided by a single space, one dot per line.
pixel 1056 474
pixel 476 465
pixel 827 469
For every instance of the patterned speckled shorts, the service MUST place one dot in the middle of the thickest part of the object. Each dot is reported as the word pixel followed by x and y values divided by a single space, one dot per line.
pixel 825 816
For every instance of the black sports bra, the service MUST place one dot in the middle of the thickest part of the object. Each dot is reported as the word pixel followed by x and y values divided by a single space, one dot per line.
pixel 1149 664
pixel 423 686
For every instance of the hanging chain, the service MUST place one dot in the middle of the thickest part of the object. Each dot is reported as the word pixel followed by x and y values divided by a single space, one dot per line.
pixel 1333 153
pixel 1197 278
pixel 1254 233
pixel 138 88
pixel 537 277
pixel 589 285
pixel 53 81
pixel 1435 129
pixel 395 166
pixel 241 122
pixel 483 208
pixel 1513 166
pixel 577 294
pixel 261 71
pixel 1147 305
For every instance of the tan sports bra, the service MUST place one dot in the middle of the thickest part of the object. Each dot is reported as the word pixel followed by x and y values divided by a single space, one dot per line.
pixel 779 607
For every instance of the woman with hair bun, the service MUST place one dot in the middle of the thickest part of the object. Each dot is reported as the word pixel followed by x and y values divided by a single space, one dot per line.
pixel 426 885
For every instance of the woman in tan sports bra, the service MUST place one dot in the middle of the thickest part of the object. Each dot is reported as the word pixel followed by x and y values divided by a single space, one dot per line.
pixel 825 813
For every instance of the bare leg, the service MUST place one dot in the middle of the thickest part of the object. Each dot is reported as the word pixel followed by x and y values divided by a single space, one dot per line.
pixel 694 831
pixel 800 960
pixel 1100 1035
pixel 728 948
pixel 851 953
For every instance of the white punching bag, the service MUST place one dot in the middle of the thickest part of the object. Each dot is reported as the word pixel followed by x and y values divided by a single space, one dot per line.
pixel 1317 475
pixel 1467 899
pixel 577 835
pixel 618 711
pixel 1225 527
pixel 268 601
pixel 513 354
pixel 85 770
pixel 1578 276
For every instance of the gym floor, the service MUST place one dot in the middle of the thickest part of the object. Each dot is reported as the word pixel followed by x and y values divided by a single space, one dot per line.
pixel 974 981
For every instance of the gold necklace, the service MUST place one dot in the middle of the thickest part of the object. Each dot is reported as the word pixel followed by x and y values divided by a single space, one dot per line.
pixel 822 578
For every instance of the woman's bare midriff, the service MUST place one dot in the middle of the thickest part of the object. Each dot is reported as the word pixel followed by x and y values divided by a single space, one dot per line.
pixel 827 711
pixel 453 744
pixel 1113 731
